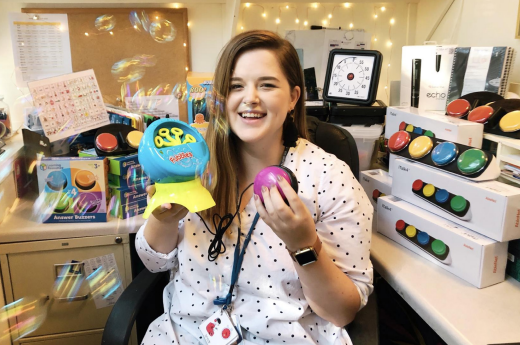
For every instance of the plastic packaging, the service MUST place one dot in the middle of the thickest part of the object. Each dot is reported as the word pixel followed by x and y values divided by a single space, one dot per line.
pixel 365 138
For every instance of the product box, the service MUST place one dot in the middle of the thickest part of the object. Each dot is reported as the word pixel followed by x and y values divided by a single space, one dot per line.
pixel 128 195
pixel 136 177
pixel 376 183
pixel 118 165
pixel 490 208
pixel 468 255
pixel 513 259
pixel 425 76
pixel 74 189
pixel 125 211
pixel 436 123
pixel 199 86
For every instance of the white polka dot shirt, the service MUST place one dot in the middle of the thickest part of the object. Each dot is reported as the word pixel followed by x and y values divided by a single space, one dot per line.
pixel 268 298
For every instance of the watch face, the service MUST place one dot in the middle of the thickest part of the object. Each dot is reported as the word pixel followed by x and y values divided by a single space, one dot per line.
pixel 351 76
pixel 306 256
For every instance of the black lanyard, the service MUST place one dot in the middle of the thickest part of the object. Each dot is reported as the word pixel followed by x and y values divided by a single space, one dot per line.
pixel 239 254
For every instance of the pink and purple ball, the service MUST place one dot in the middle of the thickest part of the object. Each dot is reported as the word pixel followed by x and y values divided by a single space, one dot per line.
pixel 267 177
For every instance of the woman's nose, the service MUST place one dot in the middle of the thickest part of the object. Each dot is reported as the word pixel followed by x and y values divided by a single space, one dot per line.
pixel 251 96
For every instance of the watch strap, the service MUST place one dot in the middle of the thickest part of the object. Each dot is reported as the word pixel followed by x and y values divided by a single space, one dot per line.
pixel 316 247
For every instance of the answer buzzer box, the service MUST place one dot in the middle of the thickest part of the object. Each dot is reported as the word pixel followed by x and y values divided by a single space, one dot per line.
pixel 475 258
pixel 490 208
pixel 435 124
pixel 199 86
pixel 73 190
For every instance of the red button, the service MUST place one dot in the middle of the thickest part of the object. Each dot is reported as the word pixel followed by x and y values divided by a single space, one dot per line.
pixel 402 126
pixel 400 224
pixel 458 108
pixel 226 333
pixel 480 114
pixel 398 141
pixel 375 194
pixel 417 185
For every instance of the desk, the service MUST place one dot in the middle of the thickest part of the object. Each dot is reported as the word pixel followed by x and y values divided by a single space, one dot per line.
pixel 459 312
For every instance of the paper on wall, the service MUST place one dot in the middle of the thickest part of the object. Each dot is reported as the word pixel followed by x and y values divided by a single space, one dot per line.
pixel 159 106
pixel 41 46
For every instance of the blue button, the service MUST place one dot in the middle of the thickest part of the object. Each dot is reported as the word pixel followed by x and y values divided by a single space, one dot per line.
pixel 418 130
pixel 442 196
pixel 444 153
pixel 423 238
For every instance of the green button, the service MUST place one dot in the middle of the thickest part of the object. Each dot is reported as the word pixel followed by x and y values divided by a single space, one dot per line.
pixel 429 134
pixel 471 161
pixel 458 203
pixel 63 204
pixel 438 247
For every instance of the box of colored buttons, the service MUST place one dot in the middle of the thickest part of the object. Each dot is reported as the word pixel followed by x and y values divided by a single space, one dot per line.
pixel 74 189
pixel 118 165
pixel 475 258
pixel 513 259
pixel 128 195
pixel 125 211
pixel 376 183
pixel 132 178
pixel 457 159
pixel 490 208
pixel 433 124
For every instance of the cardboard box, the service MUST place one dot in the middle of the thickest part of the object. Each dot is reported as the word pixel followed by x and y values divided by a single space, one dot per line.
pixel 128 195
pixel 74 189
pixel 490 208
pixel 468 255
pixel 425 74
pixel 118 165
pixel 444 127
pixel 135 178
pixel 513 260
pixel 199 85
pixel 376 183
pixel 125 211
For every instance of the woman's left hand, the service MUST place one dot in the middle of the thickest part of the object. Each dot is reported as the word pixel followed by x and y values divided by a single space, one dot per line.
pixel 293 224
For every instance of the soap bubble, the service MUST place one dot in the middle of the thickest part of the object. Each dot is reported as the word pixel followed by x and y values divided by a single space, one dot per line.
pixel 105 22
pixel 128 70
pixel 103 283
pixel 141 22
pixel 180 92
pixel 146 60
pixel 69 282
pixel 24 316
pixel 163 31
pixel 24 111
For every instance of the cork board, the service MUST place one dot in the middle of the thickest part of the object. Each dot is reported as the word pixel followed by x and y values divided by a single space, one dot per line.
pixel 100 50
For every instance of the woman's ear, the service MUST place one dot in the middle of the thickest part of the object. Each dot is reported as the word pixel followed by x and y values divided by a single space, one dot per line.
pixel 295 96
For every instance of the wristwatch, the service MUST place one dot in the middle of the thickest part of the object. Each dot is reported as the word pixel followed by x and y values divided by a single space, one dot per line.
pixel 307 255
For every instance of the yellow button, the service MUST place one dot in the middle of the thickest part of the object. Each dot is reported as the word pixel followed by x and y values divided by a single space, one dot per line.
pixel 428 190
pixel 420 147
pixel 409 128
pixel 411 231
pixel 133 138
pixel 510 122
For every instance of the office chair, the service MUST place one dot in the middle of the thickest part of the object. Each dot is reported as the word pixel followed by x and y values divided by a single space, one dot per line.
pixel 147 287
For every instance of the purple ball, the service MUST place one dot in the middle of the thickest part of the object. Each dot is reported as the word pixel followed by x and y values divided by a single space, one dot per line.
pixel 267 177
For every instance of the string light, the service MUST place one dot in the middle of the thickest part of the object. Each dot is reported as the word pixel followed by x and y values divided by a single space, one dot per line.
pixel 351 25
pixel 297 20
pixel 86 33
pixel 35 17
pixel 111 33
pixel 388 65
pixel 186 69
pixel 189 23
pixel 241 28
pixel 375 15
pixel 305 23
pixel 135 26
pixel 392 21
pixel 176 5
pixel 375 39
pixel 156 17
pixel 287 7
pixel 383 9
pixel 184 44
pixel 324 22
pixel 264 15
pixel 330 15
pixel 346 4
pixel 248 4
pixel 277 20
pixel 389 43
pixel 315 5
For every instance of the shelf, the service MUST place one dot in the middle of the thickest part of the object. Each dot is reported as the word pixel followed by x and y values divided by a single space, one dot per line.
pixel 513 159
pixel 514 143
pixel 509 178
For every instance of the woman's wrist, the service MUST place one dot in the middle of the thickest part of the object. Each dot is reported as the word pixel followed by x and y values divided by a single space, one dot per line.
pixel 294 246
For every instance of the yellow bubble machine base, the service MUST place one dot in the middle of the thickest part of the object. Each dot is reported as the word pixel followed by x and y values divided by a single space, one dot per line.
pixel 190 194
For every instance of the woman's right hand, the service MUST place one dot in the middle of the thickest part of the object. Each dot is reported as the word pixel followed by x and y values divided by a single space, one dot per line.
pixel 167 212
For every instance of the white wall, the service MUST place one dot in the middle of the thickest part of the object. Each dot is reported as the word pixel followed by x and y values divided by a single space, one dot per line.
pixel 360 14
pixel 206 34
pixel 481 23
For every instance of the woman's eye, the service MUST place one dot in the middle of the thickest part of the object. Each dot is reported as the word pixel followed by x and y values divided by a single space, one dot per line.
pixel 268 85
pixel 235 86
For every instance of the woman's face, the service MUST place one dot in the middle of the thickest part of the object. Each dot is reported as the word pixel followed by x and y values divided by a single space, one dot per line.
pixel 259 98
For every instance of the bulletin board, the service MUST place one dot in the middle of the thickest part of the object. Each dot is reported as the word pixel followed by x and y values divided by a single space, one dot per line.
pixel 100 49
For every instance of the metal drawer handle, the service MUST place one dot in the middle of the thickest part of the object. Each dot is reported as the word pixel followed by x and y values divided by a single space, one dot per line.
pixel 72 299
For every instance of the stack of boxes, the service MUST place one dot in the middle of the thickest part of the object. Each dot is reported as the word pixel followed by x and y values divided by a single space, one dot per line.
pixel 127 185
pixel 459 224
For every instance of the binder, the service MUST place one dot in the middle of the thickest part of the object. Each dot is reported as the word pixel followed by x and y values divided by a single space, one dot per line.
pixel 480 69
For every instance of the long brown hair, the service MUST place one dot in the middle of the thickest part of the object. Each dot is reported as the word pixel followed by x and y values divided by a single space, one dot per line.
pixel 219 137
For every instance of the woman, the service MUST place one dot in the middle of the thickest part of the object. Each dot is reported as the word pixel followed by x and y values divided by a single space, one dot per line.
pixel 276 300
